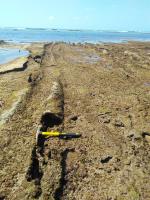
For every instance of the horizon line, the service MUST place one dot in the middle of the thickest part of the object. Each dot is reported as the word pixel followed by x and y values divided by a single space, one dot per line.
pixel 74 29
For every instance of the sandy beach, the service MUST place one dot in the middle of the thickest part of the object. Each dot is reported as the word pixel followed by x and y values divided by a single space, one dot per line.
pixel 106 98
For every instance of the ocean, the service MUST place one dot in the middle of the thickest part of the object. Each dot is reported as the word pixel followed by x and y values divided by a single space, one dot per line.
pixel 28 35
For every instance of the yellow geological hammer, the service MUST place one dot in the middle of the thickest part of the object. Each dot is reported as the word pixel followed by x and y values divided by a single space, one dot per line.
pixel 40 135
pixel 61 135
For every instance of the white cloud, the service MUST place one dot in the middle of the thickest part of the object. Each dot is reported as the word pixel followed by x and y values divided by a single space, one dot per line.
pixel 51 18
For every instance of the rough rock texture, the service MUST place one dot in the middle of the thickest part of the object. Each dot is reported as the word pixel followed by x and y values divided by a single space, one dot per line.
pixel 101 91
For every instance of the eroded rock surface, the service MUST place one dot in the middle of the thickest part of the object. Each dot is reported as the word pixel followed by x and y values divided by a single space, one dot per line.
pixel 106 100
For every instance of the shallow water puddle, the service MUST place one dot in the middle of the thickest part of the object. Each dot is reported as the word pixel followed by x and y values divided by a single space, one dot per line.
pixel 85 57
pixel 7 55
pixel 147 84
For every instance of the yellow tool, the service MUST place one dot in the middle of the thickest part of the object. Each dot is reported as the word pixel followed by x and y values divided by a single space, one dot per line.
pixel 61 135
pixel 40 135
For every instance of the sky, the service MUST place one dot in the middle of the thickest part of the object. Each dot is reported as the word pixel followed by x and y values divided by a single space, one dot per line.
pixel 131 15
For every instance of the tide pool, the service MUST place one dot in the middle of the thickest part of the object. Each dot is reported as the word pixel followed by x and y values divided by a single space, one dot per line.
pixel 7 55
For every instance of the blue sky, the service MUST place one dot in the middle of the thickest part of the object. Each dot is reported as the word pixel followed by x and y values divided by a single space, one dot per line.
pixel 77 14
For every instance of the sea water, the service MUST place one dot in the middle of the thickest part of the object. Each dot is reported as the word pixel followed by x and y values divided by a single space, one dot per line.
pixel 7 55
pixel 28 35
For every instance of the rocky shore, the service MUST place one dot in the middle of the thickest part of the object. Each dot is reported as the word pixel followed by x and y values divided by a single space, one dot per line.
pixel 105 96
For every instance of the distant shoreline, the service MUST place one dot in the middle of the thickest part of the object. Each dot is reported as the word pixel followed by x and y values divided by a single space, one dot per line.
pixel 74 29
